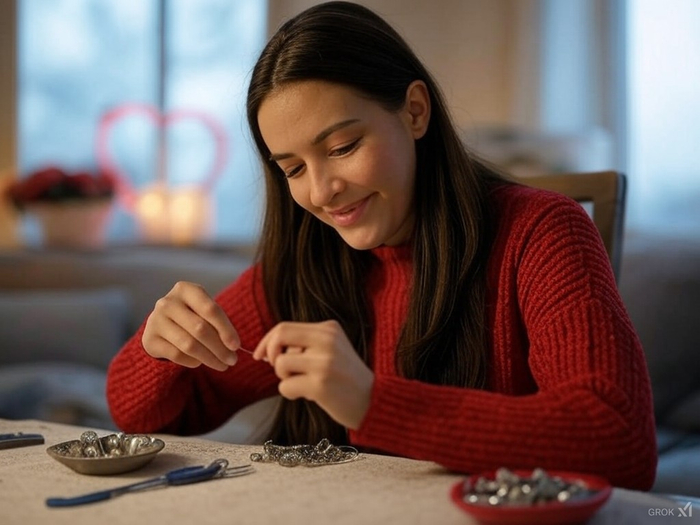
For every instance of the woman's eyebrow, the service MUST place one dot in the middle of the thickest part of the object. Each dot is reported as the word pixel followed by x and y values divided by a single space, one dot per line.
pixel 332 129
pixel 318 138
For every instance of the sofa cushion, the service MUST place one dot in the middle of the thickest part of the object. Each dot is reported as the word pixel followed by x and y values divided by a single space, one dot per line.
pixel 679 463
pixel 250 425
pixel 686 414
pixel 79 326
pixel 67 393
pixel 660 285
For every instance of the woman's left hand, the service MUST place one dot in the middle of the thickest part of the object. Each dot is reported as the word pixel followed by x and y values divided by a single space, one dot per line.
pixel 316 361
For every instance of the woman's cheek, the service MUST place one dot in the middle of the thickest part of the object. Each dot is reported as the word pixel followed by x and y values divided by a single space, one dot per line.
pixel 296 189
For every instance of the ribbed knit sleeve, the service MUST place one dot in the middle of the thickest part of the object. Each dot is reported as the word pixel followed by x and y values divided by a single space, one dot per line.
pixel 568 385
pixel 150 395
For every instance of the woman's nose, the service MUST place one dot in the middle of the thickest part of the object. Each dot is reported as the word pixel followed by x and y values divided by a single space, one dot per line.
pixel 324 187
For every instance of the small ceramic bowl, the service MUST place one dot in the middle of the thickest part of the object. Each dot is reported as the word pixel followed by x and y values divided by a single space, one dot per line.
pixel 551 513
pixel 111 454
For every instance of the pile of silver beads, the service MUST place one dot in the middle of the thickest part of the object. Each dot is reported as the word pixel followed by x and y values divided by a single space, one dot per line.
pixel 507 488
pixel 91 445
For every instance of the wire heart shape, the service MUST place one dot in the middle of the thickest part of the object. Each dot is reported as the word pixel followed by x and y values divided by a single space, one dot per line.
pixel 126 191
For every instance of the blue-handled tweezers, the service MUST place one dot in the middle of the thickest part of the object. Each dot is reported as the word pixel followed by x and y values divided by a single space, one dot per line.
pixel 184 476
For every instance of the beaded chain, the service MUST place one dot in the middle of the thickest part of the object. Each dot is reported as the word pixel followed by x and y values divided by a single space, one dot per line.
pixel 309 455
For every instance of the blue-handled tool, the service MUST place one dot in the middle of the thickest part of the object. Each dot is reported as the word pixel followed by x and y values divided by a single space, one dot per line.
pixel 184 476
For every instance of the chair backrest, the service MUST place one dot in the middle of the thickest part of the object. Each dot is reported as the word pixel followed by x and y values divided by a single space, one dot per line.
pixel 606 190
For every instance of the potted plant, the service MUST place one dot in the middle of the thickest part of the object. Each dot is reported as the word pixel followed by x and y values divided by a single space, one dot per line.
pixel 72 208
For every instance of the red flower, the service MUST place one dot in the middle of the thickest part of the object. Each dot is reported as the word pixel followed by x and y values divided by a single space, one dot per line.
pixel 52 184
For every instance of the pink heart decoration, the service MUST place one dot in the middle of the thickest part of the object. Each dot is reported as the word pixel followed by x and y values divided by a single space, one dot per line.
pixel 125 189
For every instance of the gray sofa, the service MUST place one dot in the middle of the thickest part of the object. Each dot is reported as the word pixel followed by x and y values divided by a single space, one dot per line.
pixel 660 285
pixel 63 315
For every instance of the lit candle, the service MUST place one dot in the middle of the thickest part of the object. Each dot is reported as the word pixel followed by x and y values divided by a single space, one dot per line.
pixel 173 215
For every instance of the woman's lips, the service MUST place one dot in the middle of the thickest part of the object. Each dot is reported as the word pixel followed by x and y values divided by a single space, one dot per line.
pixel 351 215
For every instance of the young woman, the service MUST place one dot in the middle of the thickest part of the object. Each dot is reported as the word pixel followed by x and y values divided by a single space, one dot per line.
pixel 406 298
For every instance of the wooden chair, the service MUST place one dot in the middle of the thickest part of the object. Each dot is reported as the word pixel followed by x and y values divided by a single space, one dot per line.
pixel 606 190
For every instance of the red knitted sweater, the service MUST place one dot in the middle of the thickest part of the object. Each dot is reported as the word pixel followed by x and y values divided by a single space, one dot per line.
pixel 568 387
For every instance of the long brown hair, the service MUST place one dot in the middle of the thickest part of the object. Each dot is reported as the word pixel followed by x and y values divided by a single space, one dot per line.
pixel 310 274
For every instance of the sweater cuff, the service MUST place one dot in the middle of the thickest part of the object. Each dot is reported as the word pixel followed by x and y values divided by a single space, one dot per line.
pixel 384 426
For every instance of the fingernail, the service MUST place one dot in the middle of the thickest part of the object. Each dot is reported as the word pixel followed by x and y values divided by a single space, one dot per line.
pixel 231 359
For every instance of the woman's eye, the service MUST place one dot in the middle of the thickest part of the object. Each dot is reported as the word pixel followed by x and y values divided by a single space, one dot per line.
pixel 344 150
pixel 291 172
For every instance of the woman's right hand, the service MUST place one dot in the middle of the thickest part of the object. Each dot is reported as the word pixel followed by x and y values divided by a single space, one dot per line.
pixel 189 328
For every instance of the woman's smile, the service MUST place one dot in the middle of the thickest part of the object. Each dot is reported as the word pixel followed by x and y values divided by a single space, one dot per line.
pixel 349 215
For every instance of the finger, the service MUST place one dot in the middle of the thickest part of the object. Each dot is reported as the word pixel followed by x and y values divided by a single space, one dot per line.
pixel 190 346
pixel 296 387
pixel 263 351
pixel 166 350
pixel 202 304
pixel 293 363
pixel 199 329
pixel 268 350
pixel 289 350
pixel 290 334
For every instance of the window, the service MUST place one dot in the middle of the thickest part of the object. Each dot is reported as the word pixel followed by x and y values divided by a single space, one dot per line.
pixel 620 78
pixel 79 59
pixel 664 115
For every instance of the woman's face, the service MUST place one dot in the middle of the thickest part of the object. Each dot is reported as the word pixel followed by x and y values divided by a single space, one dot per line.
pixel 347 160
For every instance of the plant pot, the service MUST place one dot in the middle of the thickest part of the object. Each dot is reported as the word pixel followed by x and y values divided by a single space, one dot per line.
pixel 73 223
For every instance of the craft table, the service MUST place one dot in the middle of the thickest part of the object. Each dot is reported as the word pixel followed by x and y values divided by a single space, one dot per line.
pixel 374 489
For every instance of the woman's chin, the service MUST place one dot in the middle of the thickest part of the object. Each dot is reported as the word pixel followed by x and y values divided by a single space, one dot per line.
pixel 359 242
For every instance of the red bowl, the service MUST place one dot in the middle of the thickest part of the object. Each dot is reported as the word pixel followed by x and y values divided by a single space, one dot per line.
pixel 554 513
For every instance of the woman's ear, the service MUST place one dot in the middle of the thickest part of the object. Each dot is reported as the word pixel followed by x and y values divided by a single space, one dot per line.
pixel 417 108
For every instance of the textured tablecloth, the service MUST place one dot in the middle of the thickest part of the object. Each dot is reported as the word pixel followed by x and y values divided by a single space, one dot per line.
pixel 373 489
